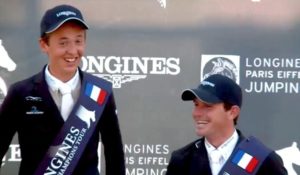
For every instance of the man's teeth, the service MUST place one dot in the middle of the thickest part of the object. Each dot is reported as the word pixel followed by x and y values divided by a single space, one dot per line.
pixel 202 122
pixel 70 59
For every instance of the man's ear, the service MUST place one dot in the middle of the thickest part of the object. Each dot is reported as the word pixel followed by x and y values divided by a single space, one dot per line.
pixel 235 111
pixel 43 45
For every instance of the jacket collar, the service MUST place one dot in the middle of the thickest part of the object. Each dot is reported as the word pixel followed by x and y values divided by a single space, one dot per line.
pixel 41 89
pixel 200 162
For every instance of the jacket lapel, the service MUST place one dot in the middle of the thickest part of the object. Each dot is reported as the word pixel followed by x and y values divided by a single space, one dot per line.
pixel 200 163
pixel 241 138
pixel 41 89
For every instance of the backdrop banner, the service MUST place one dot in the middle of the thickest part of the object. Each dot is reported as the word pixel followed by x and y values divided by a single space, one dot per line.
pixel 151 50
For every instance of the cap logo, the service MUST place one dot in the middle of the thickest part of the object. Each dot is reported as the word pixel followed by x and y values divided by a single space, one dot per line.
pixel 65 13
pixel 207 83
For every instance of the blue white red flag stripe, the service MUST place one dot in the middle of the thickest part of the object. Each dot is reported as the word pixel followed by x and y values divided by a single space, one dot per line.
pixel 95 93
pixel 245 161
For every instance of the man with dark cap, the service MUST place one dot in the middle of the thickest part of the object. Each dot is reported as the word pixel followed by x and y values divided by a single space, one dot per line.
pixel 222 149
pixel 60 112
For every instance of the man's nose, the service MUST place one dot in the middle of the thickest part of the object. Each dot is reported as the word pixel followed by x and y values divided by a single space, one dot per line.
pixel 72 48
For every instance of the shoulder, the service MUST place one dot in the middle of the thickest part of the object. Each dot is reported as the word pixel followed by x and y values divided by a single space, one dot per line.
pixel 18 90
pixel 27 83
pixel 272 165
pixel 93 78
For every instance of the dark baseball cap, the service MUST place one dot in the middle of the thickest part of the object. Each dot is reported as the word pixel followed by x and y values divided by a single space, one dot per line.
pixel 57 16
pixel 215 89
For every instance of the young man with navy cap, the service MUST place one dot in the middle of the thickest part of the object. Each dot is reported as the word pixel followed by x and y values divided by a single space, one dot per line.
pixel 60 112
pixel 222 149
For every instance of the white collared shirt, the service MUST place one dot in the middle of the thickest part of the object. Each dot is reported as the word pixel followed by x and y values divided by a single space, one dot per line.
pixel 53 84
pixel 224 151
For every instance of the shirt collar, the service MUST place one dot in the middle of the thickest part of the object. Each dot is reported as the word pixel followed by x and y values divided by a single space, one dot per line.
pixel 226 148
pixel 54 83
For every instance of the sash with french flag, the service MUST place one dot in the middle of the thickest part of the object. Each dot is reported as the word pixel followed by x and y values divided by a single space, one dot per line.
pixel 66 149
pixel 246 158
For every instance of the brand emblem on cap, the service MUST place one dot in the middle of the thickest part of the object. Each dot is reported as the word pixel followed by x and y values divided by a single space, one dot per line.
pixel 65 13
pixel 207 83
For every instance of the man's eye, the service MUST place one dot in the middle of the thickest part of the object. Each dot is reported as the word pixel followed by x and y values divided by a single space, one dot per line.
pixel 79 41
pixel 63 43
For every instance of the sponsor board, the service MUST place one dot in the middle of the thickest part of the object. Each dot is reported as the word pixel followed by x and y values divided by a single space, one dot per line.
pixel 152 158
pixel 259 74
pixel 123 69
pixel 139 158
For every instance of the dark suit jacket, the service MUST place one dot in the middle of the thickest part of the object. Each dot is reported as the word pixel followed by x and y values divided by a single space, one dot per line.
pixel 193 160
pixel 36 132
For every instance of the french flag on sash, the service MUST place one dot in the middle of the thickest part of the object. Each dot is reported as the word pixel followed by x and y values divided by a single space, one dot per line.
pixel 95 93
pixel 245 161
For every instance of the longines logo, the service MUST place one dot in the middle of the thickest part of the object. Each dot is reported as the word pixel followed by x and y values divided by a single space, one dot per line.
pixel 7 63
pixel 228 65
pixel 120 70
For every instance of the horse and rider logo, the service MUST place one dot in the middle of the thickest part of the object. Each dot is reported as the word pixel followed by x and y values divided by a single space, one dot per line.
pixel 290 156
pixel 163 3
pixel 7 63
pixel 227 65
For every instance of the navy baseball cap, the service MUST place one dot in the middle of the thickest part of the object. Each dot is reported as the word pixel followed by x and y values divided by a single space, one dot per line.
pixel 215 89
pixel 57 16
